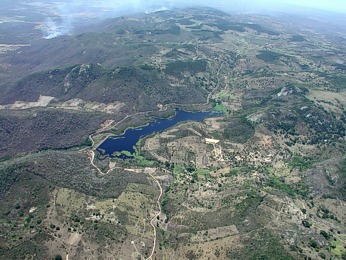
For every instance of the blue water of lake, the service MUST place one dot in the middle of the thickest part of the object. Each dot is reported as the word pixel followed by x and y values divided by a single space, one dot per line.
pixel 128 140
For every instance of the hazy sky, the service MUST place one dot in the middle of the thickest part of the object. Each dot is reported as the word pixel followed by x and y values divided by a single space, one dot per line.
pixel 330 5
pixel 252 5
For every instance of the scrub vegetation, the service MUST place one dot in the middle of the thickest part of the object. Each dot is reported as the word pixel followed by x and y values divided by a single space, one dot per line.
pixel 265 179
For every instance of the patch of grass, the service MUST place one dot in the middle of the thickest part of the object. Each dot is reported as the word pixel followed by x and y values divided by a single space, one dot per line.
pixel 300 162
pixel 127 153
pixel 202 173
pixel 338 247
pixel 280 185
pixel 142 161
pixel 178 169
pixel 221 108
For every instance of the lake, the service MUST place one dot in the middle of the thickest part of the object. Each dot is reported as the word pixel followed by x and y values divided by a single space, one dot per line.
pixel 128 140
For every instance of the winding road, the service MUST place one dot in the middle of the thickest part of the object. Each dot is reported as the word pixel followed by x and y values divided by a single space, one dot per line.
pixel 156 215
pixel 92 157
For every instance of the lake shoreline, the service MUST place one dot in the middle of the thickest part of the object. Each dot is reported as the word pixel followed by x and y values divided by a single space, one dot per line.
pixel 131 135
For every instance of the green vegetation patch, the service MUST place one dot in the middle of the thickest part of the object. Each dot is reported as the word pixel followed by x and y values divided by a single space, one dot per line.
pixel 297 38
pixel 238 130
pixel 337 80
pixel 127 153
pixel 186 21
pixel 178 169
pixel 261 29
pixel 178 67
pixel 142 161
pixel 250 203
pixel 292 190
pixel 196 27
pixel 236 28
pixel 240 171
pixel 269 56
pixel 175 54
pixel 225 25
pixel 338 248
pixel 208 35
pixel 221 108
pixel 174 30
pixel 279 184
pixel 300 162
pixel 202 173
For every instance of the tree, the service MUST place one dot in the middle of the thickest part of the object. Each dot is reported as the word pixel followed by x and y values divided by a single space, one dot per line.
pixel 325 234
pixel 306 223
pixel 314 244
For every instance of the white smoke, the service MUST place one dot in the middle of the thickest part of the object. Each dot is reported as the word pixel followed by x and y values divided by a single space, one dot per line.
pixel 52 29
pixel 66 14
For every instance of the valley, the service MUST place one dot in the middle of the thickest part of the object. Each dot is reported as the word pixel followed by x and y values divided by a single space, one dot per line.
pixel 263 179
